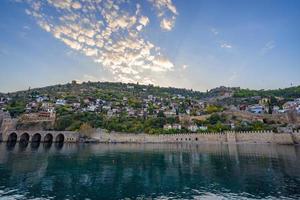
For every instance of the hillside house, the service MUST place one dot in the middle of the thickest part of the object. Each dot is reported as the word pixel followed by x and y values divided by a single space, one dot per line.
pixel 256 109
pixel 60 102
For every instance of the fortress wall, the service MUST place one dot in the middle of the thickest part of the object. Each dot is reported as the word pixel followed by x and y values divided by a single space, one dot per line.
pixel 262 137
pixel 296 137
pixel 69 136
pixel 254 137
pixel 172 138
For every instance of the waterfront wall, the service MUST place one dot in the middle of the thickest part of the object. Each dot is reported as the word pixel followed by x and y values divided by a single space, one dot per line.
pixel 40 136
pixel 261 137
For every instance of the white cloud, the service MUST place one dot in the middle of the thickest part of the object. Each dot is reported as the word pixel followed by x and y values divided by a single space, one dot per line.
pixel 109 32
pixel 76 5
pixel 62 4
pixel 268 47
pixel 214 31
pixel 166 12
pixel 144 20
pixel 167 24
pixel 225 45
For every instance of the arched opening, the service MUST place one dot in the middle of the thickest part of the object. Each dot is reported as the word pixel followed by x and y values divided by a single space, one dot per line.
pixel 60 138
pixel 24 139
pixel 48 138
pixel 36 138
pixel 196 139
pixel 12 138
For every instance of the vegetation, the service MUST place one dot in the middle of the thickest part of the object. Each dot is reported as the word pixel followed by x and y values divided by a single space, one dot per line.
pixel 292 92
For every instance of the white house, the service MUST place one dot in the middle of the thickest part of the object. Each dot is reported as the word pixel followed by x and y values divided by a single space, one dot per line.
pixel 60 102
pixel 203 128
pixel 91 108
pixel 193 128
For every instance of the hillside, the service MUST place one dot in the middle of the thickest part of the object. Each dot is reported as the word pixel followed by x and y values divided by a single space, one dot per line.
pixel 291 92
pixel 115 90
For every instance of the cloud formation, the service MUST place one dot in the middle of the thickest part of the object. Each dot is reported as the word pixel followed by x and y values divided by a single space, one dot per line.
pixel 268 47
pixel 109 31
pixel 225 45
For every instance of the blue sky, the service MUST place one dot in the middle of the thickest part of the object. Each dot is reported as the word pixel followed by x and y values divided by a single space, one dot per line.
pixel 197 44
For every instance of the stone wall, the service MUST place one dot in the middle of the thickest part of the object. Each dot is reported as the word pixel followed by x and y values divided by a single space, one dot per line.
pixel 260 137
pixel 42 136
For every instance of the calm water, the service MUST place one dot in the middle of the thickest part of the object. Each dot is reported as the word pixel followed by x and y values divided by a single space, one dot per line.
pixel 164 171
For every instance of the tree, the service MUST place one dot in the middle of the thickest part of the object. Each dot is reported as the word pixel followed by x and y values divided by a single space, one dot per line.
pixel 86 130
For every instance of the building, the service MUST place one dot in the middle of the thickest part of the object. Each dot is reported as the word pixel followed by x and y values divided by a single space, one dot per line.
pixel 172 126
pixel 290 105
pixel 170 113
pixel 60 102
pixel 264 101
pixel 203 128
pixel 256 109
pixel 193 128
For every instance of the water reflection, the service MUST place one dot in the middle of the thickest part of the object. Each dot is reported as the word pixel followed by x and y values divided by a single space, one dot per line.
pixel 178 171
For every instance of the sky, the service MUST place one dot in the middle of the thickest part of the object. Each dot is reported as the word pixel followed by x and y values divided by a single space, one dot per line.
pixel 194 44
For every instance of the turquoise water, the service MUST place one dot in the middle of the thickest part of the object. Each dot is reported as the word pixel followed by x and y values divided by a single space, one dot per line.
pixel 151 171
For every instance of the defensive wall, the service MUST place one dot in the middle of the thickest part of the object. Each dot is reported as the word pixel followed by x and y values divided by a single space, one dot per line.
pixel 40 136
pixel 260 137
pixel 9 133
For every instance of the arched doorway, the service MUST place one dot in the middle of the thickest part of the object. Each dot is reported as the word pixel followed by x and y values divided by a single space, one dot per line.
pixel 60 138
pixel 12 138
pixel 24 138
pixel 36 138
pixel 48 138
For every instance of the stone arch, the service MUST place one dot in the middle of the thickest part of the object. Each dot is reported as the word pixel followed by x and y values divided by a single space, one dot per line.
pixel 60 138
pixel 48 138
pixel 13 137
pixel 24 138
pixel 36 138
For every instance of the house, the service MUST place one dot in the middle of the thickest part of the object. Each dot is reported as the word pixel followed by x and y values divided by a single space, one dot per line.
pixel 290 105
pixel 203 128
pixel 193 128
pixel 264 101
pixel 256 109
pixel 167 126
pixel 243 107
pixel 176 126
pixel 179 96
pixel 131 112
pixel 276 110
pixel 106 107
pixel 40 99
pixel 298 109
pixel 110 113
pixel 46 105
pixel 86 101
pixel 60 102
pixel 188 111
pixel 173 126
pixel 76 105
pixel 91 108
pixel 170 114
